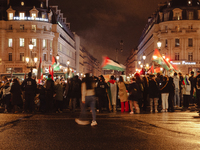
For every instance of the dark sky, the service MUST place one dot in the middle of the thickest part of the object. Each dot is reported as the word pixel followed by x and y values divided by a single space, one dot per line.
pixel 102 24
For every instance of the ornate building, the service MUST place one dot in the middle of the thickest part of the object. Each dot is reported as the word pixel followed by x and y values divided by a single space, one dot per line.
pixel 176 25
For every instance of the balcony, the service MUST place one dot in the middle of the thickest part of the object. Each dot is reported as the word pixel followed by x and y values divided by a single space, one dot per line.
pixel 29 31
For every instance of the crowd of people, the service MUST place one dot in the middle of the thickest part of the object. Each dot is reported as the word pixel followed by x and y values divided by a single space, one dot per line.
pixel 161 93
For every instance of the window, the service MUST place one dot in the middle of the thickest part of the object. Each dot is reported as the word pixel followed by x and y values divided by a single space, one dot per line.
pixel 22 3
pixel 176 56
pixel 190 15
pixel 44 28
pixel 9 42
pixel 21 15
pixel 21 56
pixel 44 43
pixel 10 16
pixel 10 56
pixel 190 56
pixel 166 43
pixel 21 27
pixel 61 47
pixel 166 16
pixel 50 44
pixel 41 5
pixel 177 43
pixel 34 41
pixel 34 16
pixel 50 57
pixel 177 16
pixel 21 42
pixel 43 16
pixel 190 42
pixel 34 27
pixel 44 57
pixel 10 27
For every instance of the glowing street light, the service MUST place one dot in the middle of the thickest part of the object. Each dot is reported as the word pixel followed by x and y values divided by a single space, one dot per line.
pixel 159 44
pixel 139 62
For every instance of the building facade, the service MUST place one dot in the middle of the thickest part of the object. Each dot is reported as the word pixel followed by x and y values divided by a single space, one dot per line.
pixel 176 25
pixel 26 21
pixel 131 63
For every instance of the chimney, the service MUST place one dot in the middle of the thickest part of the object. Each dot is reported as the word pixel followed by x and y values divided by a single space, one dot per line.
pixel 47 3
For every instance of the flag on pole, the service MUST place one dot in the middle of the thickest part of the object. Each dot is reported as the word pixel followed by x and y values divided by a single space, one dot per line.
pixel 51 71
pixel 55 64
pixel 111 65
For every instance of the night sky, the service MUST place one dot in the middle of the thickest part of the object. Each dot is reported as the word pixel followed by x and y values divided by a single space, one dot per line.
pixel 102 24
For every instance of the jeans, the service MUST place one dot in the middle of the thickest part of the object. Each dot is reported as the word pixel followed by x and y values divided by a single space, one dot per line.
pixel 176 97
pixel 72 103
pixel 155 103
pixel 89 101
pixel 165 100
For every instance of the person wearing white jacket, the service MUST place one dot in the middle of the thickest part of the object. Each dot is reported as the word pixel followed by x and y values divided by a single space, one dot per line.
pixel 186 92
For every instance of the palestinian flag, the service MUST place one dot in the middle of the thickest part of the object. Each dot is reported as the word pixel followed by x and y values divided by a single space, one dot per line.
pixel 185 81
pixel 39 72
pixel 55 64
pixel 112 65
pixel 51 71
pixel 161 61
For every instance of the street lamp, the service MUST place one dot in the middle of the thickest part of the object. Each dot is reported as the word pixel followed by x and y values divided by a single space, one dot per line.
pixel 57 57
pixel 31 45
pixel 31 62
pixel 68 70
pixel 139 62
pixel 159 44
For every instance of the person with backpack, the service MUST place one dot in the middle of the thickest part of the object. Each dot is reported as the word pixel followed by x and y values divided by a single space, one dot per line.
pixel 49 87
pixel 29 86
pixel 75 94
pixel 197 86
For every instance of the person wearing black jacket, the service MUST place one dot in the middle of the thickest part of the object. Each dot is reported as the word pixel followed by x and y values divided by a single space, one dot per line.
pixel 197 86
pixel 153 93
pixel 165 93
pixel 171 94
pixel 29 86
pixel 102 94
pixel 140 89
pixel 192 82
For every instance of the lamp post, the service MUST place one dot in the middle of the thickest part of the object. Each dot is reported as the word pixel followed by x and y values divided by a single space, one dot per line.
pixel 57 57
pixel 68 71
pixel 31 62
pixel 159 44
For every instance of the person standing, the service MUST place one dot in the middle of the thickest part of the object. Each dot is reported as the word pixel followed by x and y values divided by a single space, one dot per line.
pixel 171 94
pixel 176 95
pixel 102 94
pixel 197 86
pixel 165 93
pixel 186 92
pixel 58 96
pixel 49 86
pixel 88 98
pixel 140 90
pixel 146 92
pixel 6 93
pixel 16 97
pixel 29 86
pixel 123 95
pixel 153 93
pixel 112 92
pixel 192 82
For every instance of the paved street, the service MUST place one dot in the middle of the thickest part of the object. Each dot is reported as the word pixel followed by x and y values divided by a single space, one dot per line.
pixel 179 130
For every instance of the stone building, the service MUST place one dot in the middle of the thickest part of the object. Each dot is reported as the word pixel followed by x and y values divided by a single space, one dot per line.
pixel 176 24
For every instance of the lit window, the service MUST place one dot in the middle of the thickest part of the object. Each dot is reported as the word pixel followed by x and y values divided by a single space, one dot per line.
pixel 44 43
pixel 177 42
pixel 176 56
pixel 10 16
pixel 21 56
pixel 21 27
pixel 190 56
pixel 21 42
pixel 34 41
pixel 41 5
pixel 190 15
pixel 34 27
pixel 34 16
pixel 10 42
pixel 21 15
pixel 43 16
pixel 10 56
pixel 190 42
pixel 22 3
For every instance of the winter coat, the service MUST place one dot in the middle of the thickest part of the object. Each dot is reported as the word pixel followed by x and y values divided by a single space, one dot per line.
pixel 171 86
pixel 140 89
pixel 75 88
pixel 176 82
pixel 59 92
pixel 186 89
pixel 102 89
pixel 123 95
pixel 164 87
pixel 16 98
pixel 153 89
pixel 112 91
pixel 133 86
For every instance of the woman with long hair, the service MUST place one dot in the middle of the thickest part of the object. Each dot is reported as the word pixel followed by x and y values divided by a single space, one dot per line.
pixel 123 95
pixel 88 98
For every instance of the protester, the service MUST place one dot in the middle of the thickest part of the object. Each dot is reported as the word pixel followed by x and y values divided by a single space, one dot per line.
pixel 6 93
pixel 88 98
pixel 177 91
pixel 140 89
pixel 16 97
pixel 165 93
pixel 192 82
pixel 112 92
pixel 146 92
pixel 180 87
pixel 41 92
pixel 123 95
pixel 186 92
pixel 171 95
pixel 133 96
pixel 102 94
pixel 29 86
pixel 58 96
pixel 153 93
